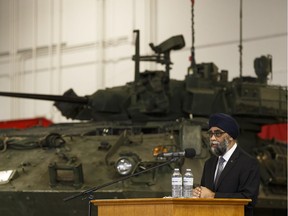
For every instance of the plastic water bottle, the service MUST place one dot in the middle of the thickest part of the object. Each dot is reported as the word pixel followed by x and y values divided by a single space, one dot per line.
pixel 188 183
pixel 176 181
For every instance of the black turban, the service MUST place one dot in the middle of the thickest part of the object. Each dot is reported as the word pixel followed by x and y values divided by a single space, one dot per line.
pixel 226 123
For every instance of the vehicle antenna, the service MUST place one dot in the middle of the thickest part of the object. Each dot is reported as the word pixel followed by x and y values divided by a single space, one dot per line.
pixel 192 57
pixel 240 45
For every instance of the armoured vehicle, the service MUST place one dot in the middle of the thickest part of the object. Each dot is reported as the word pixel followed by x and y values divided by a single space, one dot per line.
pixel 55 170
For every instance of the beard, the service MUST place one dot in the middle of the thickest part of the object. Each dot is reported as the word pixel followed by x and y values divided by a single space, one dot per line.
pixel 219 148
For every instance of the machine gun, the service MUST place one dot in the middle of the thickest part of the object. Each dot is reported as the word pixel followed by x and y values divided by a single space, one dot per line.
pixel 162 52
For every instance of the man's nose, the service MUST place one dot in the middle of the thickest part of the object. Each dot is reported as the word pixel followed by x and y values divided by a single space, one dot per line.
pixel 212 137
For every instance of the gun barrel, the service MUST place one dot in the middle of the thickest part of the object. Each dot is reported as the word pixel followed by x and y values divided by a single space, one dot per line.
pixel 56 98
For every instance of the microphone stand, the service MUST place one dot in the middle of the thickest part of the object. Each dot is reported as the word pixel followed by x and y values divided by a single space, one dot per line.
pixel 89 191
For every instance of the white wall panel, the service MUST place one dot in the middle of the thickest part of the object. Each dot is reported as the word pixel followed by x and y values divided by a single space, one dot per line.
pixel 264 17
pixel 43 22
pixel 79 21
pixel 118 18
pixel 24 23
pixel 5 83
pixel 81 84
pixel 4 32
pixel 173 18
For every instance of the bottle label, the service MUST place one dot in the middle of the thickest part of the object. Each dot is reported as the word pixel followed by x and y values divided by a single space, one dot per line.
pixel 188 181
pixel 176 181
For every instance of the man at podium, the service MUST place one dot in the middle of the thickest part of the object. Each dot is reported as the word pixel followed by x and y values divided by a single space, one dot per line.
pixel 230 172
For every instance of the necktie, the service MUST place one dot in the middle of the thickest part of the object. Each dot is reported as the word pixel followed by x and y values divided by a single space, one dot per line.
pixel 219 170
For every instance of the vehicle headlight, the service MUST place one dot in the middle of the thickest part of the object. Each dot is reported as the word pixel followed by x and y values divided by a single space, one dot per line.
pixel 125 165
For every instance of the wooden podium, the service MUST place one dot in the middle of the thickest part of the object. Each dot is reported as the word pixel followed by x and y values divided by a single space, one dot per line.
pixel 171 207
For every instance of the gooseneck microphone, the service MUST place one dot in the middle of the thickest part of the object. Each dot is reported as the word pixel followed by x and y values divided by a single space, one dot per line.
pixel 172 157
pixel 89 191
pixel 188 153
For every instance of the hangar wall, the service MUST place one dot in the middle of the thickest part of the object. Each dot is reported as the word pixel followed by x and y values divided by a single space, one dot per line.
pixel 50 46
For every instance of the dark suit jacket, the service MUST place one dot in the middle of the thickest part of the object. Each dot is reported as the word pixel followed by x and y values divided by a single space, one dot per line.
pixel 239 179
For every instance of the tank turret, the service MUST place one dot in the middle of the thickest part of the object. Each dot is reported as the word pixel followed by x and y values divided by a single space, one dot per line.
pixel 154 96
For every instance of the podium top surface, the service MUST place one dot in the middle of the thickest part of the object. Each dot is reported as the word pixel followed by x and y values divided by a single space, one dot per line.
pixel 174 201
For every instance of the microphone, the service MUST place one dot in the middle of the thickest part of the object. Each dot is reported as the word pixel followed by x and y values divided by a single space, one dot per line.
pixel 188 153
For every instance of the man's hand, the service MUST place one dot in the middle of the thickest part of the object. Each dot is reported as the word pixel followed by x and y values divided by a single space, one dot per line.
pixel 196 192
pixel 206 193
